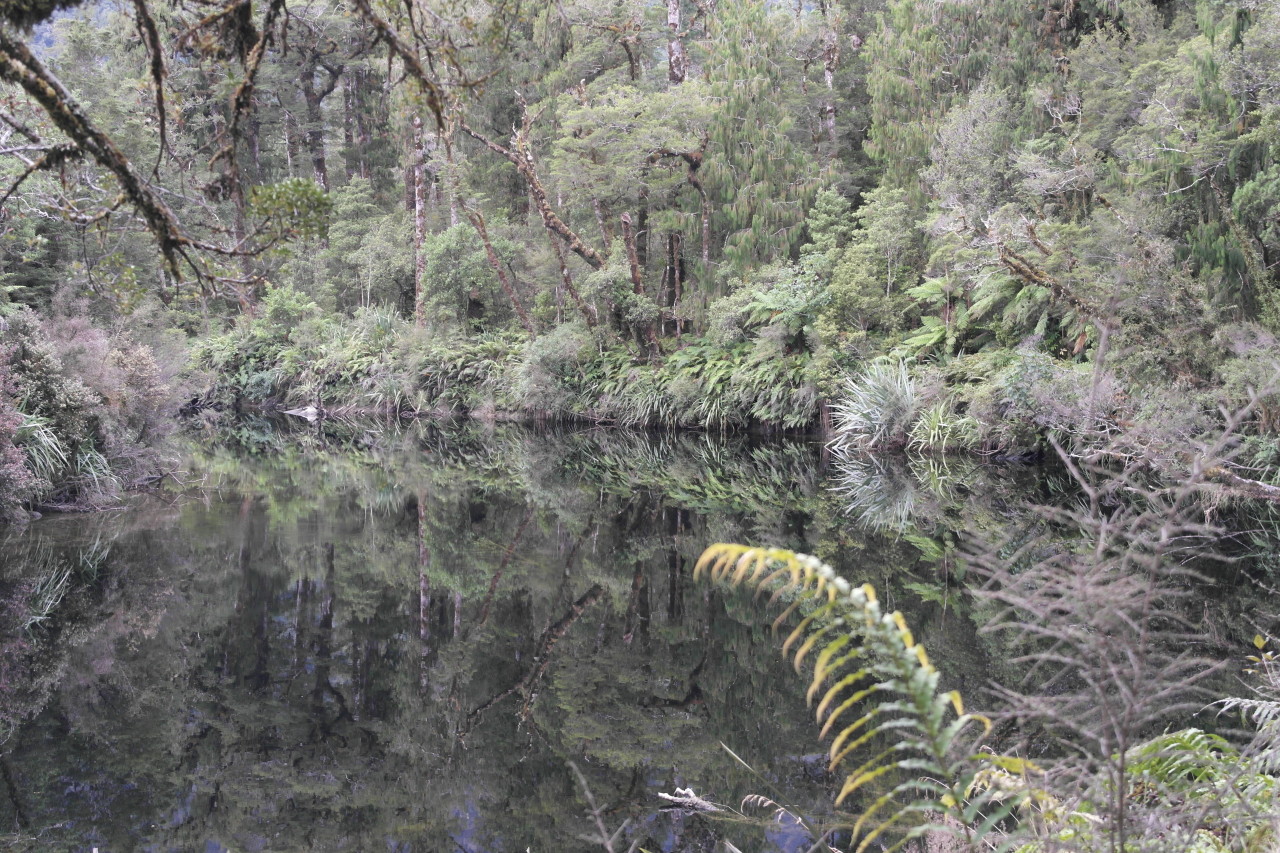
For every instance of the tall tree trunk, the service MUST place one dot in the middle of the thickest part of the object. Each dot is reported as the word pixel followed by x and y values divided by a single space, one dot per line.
pixel 602 221
pixel 644 331
pixel 315 139
pixel 567 278
pixel 673 279
pixel 419 220
pixel 290 125
pixel 253 141
pixel 245 287
pixel 477 221
pixel 364 129
pixel 677 62
pixel 706 231
pixel 349 124
pixel 314 99
pixel 830 61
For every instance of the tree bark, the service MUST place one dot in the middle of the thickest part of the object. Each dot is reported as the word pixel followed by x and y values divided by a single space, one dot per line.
pixel 520 157
pixel 644 331
pixel 477 221
pixel 291 147
pixel 603 222
pixel 674 279
pixel 677 61
pixel 830 61
pixel 349 124
pixel 314 99
pixel 419 220
pixel 567 278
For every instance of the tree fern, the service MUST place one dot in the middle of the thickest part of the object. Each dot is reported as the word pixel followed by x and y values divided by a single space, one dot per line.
pixel 876 692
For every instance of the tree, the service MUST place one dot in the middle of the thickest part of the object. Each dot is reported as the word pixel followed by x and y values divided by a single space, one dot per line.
pixel 761 179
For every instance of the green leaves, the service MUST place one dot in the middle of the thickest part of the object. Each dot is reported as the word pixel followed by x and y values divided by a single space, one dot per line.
pixel 876 409
pixel 878 691
pixel 758 171
pixel 296 207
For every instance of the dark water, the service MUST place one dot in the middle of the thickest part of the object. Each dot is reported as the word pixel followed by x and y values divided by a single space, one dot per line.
pixel 410 642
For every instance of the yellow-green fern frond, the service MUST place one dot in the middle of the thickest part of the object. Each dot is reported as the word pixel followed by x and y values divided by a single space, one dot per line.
pixel 874 685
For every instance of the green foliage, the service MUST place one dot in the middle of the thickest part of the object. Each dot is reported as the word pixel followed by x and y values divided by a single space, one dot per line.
pixel 762 177
pixel 470 375
pixel 875 688
pixel 700 385
pixel 293 208
pixel 867 295
pixel 926 59
pixel 618 143
pixel 369 259
pixel 877 408
pixel 972 179
pixel 460 289
pixel 940 428
pixel 829 226
pixel 776 303
pixel 46 457
pixel 292 356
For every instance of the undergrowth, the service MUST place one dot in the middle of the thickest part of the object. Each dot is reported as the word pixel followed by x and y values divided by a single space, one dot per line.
pixel 292 355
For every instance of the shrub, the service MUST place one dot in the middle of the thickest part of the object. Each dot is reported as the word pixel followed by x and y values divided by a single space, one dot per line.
pixel 80 407
pixel 16 481
pixel 941 428
pixel 877 409
pixel 552 369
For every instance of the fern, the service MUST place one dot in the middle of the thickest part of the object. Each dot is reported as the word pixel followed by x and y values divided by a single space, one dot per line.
pixel 872 681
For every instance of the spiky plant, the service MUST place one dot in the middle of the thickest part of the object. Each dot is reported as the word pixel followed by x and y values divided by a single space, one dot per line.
pixel 93 475
pixel 881 495
pixel 875 691
pixel 876 409
pixel 46 456
pixel 940 429
pixel 47 593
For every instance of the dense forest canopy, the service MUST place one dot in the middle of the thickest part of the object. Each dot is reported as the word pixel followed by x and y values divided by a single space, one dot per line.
pixel 1059 216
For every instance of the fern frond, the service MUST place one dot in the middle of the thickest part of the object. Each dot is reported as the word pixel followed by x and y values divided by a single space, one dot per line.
pixel 876 685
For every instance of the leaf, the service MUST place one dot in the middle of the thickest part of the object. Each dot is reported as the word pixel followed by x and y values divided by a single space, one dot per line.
pixel 871 661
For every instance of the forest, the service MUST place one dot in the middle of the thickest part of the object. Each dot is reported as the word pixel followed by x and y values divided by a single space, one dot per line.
pixel 928 234
pixel 987 223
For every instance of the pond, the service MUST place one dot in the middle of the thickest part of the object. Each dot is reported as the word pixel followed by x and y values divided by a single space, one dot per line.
pixel 453 639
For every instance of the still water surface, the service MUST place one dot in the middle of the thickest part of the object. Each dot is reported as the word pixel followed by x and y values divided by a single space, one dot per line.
pixel 410 642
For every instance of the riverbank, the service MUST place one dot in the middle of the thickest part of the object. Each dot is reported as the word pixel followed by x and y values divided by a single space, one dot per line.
pixel 97 405
pixel 292 356
pixel 1001 401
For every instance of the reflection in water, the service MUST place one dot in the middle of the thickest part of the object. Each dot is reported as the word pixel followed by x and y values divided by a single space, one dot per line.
pixel 403 641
